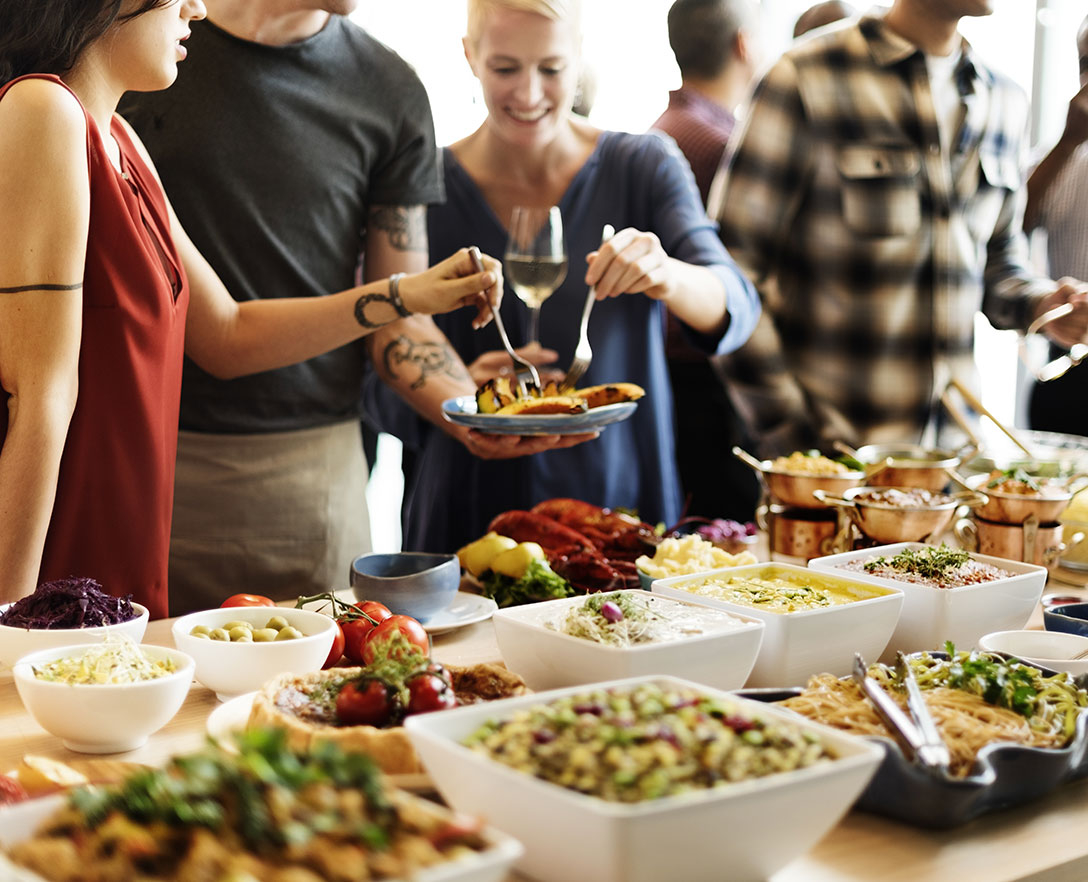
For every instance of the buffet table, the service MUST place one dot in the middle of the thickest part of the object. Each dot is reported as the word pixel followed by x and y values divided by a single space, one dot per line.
pixel 1040 841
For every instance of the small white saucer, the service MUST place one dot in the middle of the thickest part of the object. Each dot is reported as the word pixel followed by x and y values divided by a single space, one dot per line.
pixel 466 609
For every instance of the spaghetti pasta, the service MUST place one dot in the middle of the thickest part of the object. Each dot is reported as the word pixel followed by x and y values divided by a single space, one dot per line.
pixel 964 707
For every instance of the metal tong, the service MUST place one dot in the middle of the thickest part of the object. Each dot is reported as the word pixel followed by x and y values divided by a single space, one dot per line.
pixel 524 371
pixel 583 353
pixel 1060 365
pixel 916 733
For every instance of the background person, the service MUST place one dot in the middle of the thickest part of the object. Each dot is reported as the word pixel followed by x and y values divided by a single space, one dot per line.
pixel 717 48
pixel 1058 203
pixel 300 151
pixel 100 290
pixel 530 150
pixel 874 197
pixel 820 15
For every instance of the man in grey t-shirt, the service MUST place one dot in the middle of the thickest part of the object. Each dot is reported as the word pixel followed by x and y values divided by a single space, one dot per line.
pixel 298 151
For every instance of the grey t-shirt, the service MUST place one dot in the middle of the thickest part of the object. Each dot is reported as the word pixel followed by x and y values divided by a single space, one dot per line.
pixel 271 156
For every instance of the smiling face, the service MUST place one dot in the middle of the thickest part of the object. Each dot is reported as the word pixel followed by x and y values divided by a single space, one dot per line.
pixel 144 51
pixel 528 68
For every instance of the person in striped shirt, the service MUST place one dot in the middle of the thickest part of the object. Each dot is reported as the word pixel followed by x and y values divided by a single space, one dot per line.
pixel 874 196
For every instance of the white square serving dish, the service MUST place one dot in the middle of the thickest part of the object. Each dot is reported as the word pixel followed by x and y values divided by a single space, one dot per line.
pixel 548 659
pixel 933 615
pixel 798 644
pixel 742 831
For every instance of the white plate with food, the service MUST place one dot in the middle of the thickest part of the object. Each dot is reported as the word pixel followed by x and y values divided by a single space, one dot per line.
pixel 466 609
pixel 231 718
pixel 462 411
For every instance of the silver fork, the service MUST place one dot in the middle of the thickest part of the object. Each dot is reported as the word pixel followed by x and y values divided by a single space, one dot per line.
pixel 521 366
pixel 583 352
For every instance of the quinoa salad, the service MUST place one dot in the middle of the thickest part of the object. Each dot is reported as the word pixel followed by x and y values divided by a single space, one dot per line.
pixel 633 745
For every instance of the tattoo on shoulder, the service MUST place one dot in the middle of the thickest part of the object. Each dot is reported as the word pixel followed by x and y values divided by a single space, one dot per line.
pixel 18 289
pixel 406 227
pixel 406 356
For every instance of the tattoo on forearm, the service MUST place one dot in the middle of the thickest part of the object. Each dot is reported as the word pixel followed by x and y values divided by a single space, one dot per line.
pixel 366 300
pixel 429 358
pixel 18 289
pixel 405 227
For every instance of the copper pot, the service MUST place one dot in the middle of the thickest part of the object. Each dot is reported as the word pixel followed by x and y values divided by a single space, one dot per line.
pixel 795 489
pixel 910 465
pixel 1029 542
pixel 1015 508
pixel 803 534
pixel 894 523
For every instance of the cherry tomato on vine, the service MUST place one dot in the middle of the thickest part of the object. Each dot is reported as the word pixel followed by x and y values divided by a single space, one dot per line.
pixel 358 628
pixel 369 702
pixel 429 692
pixel 337 651
pixel 412 631
pixel 248 600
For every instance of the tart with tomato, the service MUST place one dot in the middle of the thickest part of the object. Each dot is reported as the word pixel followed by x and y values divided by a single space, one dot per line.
pixel 361 708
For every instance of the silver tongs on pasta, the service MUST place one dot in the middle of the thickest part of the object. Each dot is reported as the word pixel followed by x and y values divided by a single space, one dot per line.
pixel 916 733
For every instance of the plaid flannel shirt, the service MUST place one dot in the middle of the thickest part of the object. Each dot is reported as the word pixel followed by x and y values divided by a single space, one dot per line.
pixel 871 247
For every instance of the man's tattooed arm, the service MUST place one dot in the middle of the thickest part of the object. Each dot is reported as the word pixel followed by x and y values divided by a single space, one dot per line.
pixel 414 362
pixel 406 227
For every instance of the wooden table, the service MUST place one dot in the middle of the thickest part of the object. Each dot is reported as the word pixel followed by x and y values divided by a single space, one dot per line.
pixel 1044 840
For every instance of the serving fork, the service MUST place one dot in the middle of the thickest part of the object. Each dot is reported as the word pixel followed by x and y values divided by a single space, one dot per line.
pixel 583 352
pixel 524 371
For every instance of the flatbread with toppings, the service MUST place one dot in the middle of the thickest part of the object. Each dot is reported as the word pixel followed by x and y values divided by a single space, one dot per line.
pixel 304 706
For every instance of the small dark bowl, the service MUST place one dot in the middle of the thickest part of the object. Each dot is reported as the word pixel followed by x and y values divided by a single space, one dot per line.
pixel 1069 617
pixel 410 583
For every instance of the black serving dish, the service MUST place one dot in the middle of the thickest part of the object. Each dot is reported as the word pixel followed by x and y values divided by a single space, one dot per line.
pixel 1004 775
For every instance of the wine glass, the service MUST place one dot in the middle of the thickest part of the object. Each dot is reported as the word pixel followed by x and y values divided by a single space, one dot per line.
pixel 535 262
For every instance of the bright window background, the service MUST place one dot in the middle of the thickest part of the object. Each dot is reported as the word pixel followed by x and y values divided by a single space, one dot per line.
pixel 626 45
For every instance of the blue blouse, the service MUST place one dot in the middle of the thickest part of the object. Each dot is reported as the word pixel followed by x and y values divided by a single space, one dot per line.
pixel 639 181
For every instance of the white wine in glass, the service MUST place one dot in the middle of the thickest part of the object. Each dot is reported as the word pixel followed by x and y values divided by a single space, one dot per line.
pixel 535 262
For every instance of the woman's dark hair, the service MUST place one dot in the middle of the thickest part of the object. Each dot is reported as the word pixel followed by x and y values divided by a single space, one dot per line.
pixel 48 36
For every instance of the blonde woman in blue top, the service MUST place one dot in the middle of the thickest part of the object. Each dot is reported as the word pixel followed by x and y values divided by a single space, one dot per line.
pixel 665 255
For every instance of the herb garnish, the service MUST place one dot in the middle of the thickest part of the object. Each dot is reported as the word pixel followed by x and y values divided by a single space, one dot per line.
pixel 931 562
pixel 1016 474
pixel 207 789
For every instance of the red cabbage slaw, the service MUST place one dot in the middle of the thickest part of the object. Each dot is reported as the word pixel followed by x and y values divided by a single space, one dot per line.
pixel 68 603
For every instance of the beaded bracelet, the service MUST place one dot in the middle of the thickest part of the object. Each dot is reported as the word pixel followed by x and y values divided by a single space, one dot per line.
pixel 394 295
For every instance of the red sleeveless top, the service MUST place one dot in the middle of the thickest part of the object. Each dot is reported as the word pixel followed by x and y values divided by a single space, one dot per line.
pixel 111 518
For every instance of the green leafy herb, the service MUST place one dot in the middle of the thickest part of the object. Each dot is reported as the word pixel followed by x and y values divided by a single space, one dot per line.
pixel 931 562
pixel 539 582
pixel 204 789
pixel 1015 474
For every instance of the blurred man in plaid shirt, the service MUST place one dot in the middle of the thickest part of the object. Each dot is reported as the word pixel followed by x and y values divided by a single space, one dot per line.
pixel 874 197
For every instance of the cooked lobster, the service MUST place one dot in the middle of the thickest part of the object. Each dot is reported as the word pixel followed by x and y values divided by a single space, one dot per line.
pixel 591 547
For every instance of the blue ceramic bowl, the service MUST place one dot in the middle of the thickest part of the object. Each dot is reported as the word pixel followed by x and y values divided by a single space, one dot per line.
pixel 410 583
pixel 1069 617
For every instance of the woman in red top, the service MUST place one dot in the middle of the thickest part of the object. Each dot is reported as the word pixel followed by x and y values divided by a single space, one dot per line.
pixel 101 291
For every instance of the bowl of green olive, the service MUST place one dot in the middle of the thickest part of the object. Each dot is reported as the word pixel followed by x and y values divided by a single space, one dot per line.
pixel 238 649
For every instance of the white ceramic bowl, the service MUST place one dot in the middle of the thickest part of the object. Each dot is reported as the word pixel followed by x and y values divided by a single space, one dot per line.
pixel 103 718
pixel 1050 649
pixel 229 669
pixel 17 642
pixel 797 645
pixel 933 615
pixel 546 659
pixel 741 831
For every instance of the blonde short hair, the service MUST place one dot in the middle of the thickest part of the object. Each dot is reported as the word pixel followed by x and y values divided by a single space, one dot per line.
pixel 557 10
